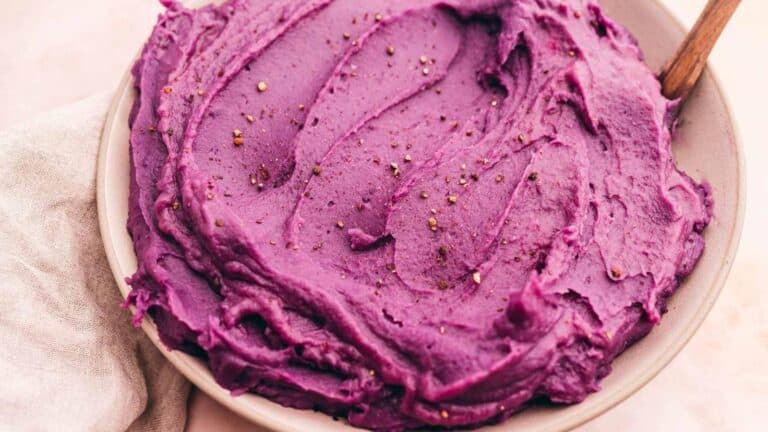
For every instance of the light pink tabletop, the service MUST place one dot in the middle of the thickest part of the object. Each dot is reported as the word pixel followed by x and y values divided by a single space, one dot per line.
pixel 719 382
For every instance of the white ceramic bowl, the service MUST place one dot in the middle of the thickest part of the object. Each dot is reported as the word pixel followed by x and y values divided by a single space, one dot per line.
pixel 706 146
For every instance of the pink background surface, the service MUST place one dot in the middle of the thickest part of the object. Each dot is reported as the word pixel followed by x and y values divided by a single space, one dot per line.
pixel 65 51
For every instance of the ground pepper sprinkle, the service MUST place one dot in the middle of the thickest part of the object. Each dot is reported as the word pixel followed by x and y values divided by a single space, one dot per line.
pixel 395 169
pixel 476 277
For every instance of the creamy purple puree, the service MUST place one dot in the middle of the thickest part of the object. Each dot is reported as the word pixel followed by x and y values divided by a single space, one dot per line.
pixel 405 213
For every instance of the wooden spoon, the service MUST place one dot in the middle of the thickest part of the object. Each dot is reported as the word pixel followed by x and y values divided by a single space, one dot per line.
pixel 681 73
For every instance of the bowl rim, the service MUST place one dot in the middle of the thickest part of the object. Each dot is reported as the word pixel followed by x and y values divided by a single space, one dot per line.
pixel 198 373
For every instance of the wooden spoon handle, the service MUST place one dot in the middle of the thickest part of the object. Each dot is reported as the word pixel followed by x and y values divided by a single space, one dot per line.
pixel 681 73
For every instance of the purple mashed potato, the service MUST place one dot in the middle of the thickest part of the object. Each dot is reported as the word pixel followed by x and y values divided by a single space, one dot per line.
pixel 406 213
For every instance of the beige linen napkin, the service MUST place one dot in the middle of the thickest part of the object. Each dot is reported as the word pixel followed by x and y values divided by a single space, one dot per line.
pixel 69 358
